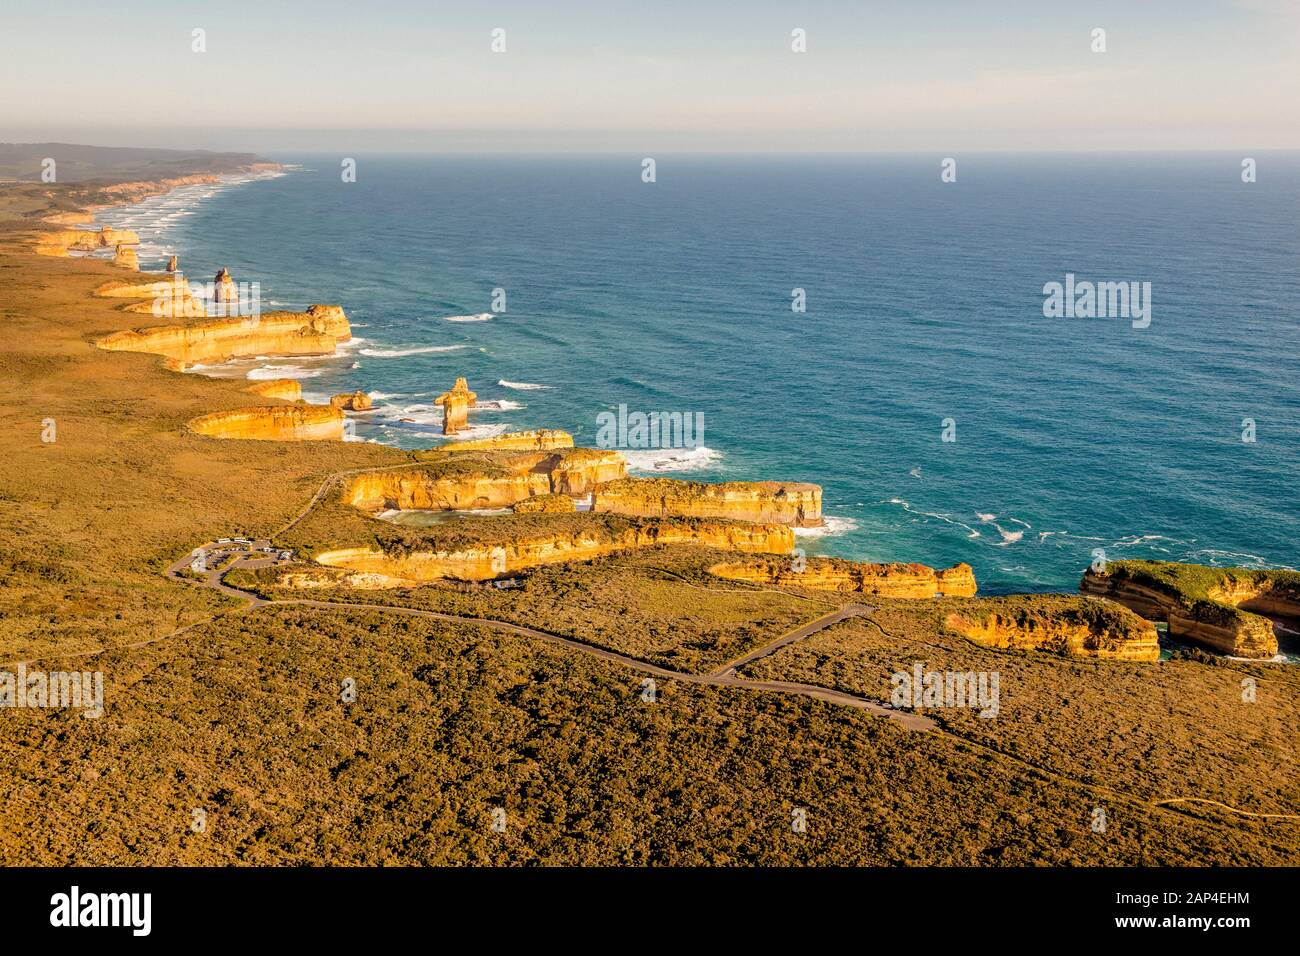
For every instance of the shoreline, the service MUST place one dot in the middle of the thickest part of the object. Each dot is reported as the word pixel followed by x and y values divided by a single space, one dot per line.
pixel 139 191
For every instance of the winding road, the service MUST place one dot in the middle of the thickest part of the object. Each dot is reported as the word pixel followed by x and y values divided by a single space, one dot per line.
pixel 724 676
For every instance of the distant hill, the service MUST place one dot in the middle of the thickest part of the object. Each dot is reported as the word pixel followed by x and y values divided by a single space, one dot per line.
pixel 77 163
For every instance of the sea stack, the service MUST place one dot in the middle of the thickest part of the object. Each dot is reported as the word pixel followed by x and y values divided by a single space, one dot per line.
pixel 357 401
pixel 455 407
pixel 171 264
pixel 125 257
pixel 225 296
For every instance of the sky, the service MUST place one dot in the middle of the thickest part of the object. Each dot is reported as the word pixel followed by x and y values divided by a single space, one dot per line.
pixel 384 75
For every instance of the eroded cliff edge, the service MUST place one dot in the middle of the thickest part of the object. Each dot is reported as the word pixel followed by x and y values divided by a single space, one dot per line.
pixel 1228 610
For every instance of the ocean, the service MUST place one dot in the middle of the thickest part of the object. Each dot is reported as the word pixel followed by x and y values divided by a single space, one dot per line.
pixel 923 321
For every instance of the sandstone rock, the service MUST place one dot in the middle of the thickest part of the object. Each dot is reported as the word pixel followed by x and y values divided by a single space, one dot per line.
pixel 273 423
pixel 225 294
pixel 125 257
pixel 456 404
pixel 435 490
pixel 915 581
pixel 171 264
pixel 544 439
pixel 545 504
pixel 219 340
pixel 1211 607
pixel 481 563
pixel 289 389
pixel 357 401
pixel 788 502
pixel 1078 627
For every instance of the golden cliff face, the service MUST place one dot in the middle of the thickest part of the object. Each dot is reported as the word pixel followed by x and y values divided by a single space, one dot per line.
pixel 273 423
pixel 542 439
pixel 314 332
pixel 357 401
pixel 1062 625
pixel 1224 619
pixel 487 562
pixel 798 504
pixel 456 403
pixel 125 257
pixel 61 242
pixel 287 389
pixel 413 488
pixel 880 580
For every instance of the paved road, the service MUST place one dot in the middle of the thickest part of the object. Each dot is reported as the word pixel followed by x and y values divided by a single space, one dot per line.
pixel 723 677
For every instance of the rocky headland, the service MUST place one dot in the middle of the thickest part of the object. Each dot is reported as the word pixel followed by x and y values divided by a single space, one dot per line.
pixel 1228 610
pixel 317 331
pixel 894 580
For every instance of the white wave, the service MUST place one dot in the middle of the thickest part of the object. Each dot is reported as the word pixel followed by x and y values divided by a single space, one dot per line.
pixel 414 350
pixel 1241 558
pixel 906 506
pixel 985 516
pixel 1008 537
pixel 832 525
pixel 498 405
pixel 672 459
pixel 522 386
pixel 915 472
pixel 477 431
pixel 283 371
pixel 480 317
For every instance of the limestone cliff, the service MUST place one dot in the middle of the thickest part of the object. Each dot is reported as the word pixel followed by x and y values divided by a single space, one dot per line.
pixel 61 242
pixel 314 332
pixel 489 561
pixel 456 404
pixel 171 264
pixel 273 423
pixel 125 257
pixel 436 489
pixel 542 439
pixel 1217 608
pixel 515 475
pixel 289 389
pixel 1077 627
pixel 357 401
pixel 798 504
pixel 833 574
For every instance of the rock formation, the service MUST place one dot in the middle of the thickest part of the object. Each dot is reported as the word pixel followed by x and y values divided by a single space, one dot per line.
pixel 357 401
pixel 225 294
pixel 1078 627
pixel 456 404
pixel 125 257
pixel 542 439
pixel 529 550
pixel 442 490
pixel 460 481
pixel 798 504
pixel 273 423
pixel 289 389
pixel 1210 607
pixel 833 574
pixel 314 332
pixel 171 264
pixel 61 242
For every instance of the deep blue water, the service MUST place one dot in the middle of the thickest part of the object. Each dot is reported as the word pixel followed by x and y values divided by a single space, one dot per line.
pixel 924 302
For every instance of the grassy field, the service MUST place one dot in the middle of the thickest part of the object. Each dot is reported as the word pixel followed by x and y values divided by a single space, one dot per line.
pixel 241 716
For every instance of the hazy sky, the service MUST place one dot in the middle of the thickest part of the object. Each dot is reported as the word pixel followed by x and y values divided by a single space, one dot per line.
pixel 659 74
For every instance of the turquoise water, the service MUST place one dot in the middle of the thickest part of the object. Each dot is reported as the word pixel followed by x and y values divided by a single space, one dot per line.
pixel 924 302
